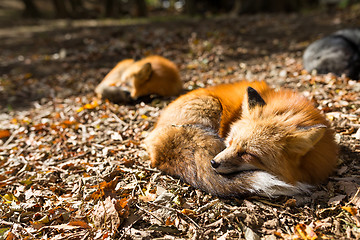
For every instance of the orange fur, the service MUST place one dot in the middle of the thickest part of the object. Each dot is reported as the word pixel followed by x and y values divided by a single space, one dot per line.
pixel 286 139
pixel 274 148
pixel 151 75
pixel 230 97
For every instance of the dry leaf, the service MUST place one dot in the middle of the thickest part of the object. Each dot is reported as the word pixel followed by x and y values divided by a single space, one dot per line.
pixel 169 222
pixel 104 189
pixel 188 212
pixel 79 224
pixel 336 200
pixel 4 133
pixel 91 105
pixel 305 231
pixel 105 215
pixel 10 236
pixel 351 210
pixel 149 197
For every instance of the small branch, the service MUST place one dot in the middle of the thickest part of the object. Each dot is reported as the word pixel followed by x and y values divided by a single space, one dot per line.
pixel 10 138
pixel 118 119
pixel 146 211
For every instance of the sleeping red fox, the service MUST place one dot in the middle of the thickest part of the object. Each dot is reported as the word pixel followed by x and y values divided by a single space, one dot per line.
pixel 277 142
pixel 129 80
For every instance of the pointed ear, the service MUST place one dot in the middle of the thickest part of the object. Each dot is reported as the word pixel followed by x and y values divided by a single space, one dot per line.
pixel 145 72
pixel 252 99
pixel 305 138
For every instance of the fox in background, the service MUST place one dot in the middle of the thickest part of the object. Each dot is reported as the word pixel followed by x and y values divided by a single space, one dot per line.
pixel 277 142
pixel 130 79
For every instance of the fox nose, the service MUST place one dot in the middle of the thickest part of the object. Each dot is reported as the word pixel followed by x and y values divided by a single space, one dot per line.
pixel 214 164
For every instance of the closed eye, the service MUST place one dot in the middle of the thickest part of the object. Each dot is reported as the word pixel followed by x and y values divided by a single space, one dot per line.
pixel 240 154
pixel 257 158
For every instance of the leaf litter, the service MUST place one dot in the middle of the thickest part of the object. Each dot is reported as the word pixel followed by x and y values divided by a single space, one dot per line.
pixel 74 167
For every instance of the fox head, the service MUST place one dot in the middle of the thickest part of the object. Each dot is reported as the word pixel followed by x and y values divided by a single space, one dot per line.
pixel 267 138
pixel 134 78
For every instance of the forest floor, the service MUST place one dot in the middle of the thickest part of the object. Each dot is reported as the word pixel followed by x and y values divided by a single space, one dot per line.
pixel 74 167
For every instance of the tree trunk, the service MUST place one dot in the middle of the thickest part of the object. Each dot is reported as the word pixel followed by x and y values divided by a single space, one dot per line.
pixel 109 8
pixel 141 9
pixel 30 9
pixel 77 9
pixel 60 9
pixel 236 9
pixel 190 7
pixel 256 6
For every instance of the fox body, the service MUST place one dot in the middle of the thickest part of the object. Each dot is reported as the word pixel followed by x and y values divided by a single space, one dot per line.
pixel 131 79
pixel 276 142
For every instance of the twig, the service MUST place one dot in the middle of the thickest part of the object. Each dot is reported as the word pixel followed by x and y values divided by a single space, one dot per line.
pixel 6 223
pixel 10 138
pixel 118 119
pixel 146 211
pixel 86 235
pixel 74 157
pixel 137 185
pixel 177 211
pixel 207 206
pixel 148 169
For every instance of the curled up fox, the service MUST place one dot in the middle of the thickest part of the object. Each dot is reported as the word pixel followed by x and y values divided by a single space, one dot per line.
pixel 244 138
pixel 130 79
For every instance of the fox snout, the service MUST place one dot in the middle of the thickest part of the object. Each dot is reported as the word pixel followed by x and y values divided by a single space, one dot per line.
pixel 214 164
pixel 231 161
pixel 117 94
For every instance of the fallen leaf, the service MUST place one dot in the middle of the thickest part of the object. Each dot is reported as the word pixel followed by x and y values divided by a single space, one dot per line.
pixel 4 133
pixel 305 231
pixel 91 105
pixel 105 215
pixel 336 200
pixel 351 210
pixel 10 236
pixel 250 234
pixel 4 231
pixel 9 198
pixel 123 207
pixel 188 212
pixel 352 191
pixel 169 222
pixel 104 189
pixel 149 197
pixel 81 224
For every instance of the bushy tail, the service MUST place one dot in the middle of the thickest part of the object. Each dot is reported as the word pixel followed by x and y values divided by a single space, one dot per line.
pixel 186 151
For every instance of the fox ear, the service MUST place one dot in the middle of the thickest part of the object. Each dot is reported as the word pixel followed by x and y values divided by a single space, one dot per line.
pixel 145 72
pixel 305 138
pixel 252 99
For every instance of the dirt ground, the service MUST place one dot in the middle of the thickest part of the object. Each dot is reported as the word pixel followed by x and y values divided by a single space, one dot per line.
pixel 74 167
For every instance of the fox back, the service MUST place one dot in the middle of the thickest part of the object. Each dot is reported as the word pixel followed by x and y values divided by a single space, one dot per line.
pixel 276 143
pixel 130 80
